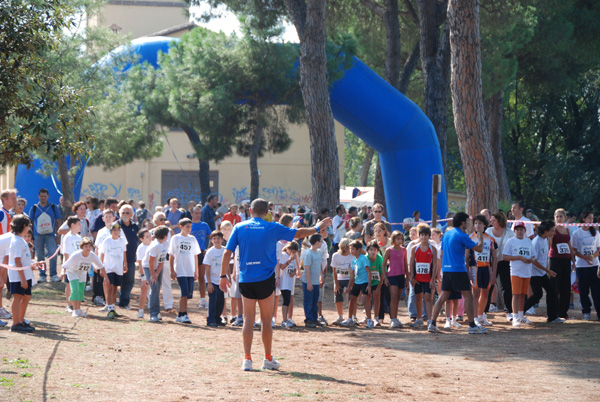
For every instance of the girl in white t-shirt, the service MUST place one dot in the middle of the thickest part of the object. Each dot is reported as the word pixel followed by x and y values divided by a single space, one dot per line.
pixel 289 270
pixel 20 280
pixel 341 263
pixel 519 251
pixel 69 244
pixel 145 240
pixel 586 246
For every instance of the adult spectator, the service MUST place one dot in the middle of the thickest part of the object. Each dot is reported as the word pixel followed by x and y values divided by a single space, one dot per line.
pixel 93 212
pixel 414 220
pixel 19 208
pixel 201 231
pixel 80 210
pixel 455 277
pixel 378 211
pixel 65 207
pixel 529 213
pixel 98 223
pixel 270 213
pixel 448 224
pixel 142 213
pixel 46 219
pixel 257 241
pixel 130 229
pixel 517 211
pixel 208 211
pixel 338 226
pixel 232 216
pixel 352 212
pixel 173 215
pixel 9 201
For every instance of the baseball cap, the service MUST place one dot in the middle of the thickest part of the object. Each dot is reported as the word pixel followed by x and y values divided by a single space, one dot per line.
pixel 519 224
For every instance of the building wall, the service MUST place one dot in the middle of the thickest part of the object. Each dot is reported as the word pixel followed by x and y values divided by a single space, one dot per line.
pixel 284 178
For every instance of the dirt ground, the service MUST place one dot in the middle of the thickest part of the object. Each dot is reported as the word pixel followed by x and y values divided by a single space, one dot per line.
pixel 97 359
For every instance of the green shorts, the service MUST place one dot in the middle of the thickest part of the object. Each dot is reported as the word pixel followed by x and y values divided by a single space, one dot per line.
pixel 77 290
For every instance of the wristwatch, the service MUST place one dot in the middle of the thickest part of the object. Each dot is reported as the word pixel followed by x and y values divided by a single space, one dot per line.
pixel 223 276
pixel 318 229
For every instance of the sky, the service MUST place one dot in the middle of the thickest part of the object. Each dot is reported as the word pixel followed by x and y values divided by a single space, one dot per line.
pixel 229 23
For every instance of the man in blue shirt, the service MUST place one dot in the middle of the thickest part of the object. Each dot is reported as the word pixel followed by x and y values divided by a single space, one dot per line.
pixel 173 215
pixel 46 219
pixel 208 211
pixel 455 277
pixel 257 241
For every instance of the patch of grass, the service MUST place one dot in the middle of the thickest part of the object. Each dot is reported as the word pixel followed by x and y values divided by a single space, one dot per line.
pixel 6 382
pixel 77 385
pixel 55 312
pixel 362 396
pixel 296 394
pixel 26 375
pixel 21 363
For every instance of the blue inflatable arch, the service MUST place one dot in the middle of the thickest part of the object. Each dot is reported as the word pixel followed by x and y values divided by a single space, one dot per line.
pixel 381 116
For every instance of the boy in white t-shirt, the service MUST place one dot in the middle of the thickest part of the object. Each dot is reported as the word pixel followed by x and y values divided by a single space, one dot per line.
pixel 112 255
pixel 145 240
pixel 183 252
pixel 20 280
pixel 70 244
pixel 77 266
pixel 519 251
pixel 153 263
pixel 108 216
pixel 341 263
pixel 212 264
pixel 5 240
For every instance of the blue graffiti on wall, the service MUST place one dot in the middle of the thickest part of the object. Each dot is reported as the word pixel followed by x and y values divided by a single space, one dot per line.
pixel 101 190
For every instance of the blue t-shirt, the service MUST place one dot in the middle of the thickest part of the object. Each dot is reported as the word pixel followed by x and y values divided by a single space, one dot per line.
pixel 359 265
pixel 201 231
pixel 454 244
pixel 208 216
pixel 173 218
pixel 257 240
pixel 312 261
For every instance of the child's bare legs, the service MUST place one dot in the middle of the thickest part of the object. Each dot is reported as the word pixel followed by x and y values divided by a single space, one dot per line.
pixel 144 294
pixel 112 294
pixel 428 304
pixel 234 307
pixel 67 295
pixel 482 301
pixel 367 303
pixel 275 307
pixel 419 303
pixel 449 309
pixel 352 307
pixel 106 285
pixel 16 308
pixel 476 297
pixel 183 304
pixel 376 302
pixel 455 304
pixel 395 299
pixel 201 281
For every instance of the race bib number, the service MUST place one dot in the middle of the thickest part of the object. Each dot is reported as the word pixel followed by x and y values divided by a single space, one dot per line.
pixel 374 275
pixel 161 257
pixel 291 271
pixel 423 268
pixel 588 250
pixel 524 251
pixel 483 257
pixel 185 248
pixel 85 266
pixel 563 248
pixel 343 271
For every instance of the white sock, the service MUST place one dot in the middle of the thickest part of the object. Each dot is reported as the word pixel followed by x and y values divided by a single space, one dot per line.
pixel 515 316
pixel 521 314
pixel 141 310
pixel 448 319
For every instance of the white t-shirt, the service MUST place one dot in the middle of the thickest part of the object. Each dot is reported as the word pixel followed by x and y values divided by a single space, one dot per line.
pixel 540 251
pixel 85 228
pixel 141 252
pixel 287 277
pixel 325 253
pixel 19 249
pixel 585 244
pixel 213 258
pixel 70 243
pixel 157 250
pixel 342 265
pixel 501 242
pixel 77 266
pixel 334 224
pixel 104 233
pixel 184 249
pixel 113 251
pixel 528 226
pixel 5 241
pixel 519 247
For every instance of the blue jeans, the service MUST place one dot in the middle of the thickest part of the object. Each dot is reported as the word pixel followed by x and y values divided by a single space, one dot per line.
pixel 216 302
pixel 154 299
pixel 45 246
pixel 412 305
pixel 311 299
pixel 128 281
pixel 588 280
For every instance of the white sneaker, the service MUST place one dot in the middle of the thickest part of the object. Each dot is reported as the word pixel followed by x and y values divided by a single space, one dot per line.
pixel 516 323
pixel 204 304
pixel 338 320
pixel 509 317
pixel 81 313
pixel 69 309
pixel 363 321
pixel 141 313
pixel 247 365
pixel 273 322
pixel 432 328
pixel 179 318
pixel 348 322
pixel 370 324
pixel 291 322
pixel 74 314
pixel 186 320
pixel 448 324
pixel 103 309
pixel 4 313
pixel 395 323
pixel 377 323
pixel 477 330
pixel 455 323
pixel 418 322
pixel 55 278
pixel 285 324
pixel 493 308
pixel 485 322
pixel 256 324
pixel 88 288
pixel 321 320
pixel 586 316
pixel 531 311
pixel 270 364
pixel 476 320
pixel 238 322
pixel 558 320
pixel 159 317
pixel 524 320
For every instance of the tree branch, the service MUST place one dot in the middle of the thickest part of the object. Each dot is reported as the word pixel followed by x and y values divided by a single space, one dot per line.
pixel 411 11
pixel 374 7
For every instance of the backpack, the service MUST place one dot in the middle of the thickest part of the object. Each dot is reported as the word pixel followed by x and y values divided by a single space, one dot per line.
pixel 44 224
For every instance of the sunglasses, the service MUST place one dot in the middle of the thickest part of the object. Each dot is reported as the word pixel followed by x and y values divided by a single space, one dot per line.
pixel 377 212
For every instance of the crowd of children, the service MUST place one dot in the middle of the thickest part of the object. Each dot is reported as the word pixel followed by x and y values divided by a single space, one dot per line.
pixel 374 269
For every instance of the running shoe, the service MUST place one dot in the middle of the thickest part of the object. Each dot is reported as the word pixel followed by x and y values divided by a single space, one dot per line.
pixel 125 307
pixel 322 321
pixel 159 317
pixel 310 324
pixel 433 328
pixel 418 323
pixel 292 322
pixel 395 323
pixel 141 313
pixel 247 365
pixel 232 320
pixel 103 309
pixel 270 364
pixel 338 320
pixel 558 320
pixel 74 314
pixel 30 328
pixel 516 323
pixel 370 324
pixel 484 321
pixel 448 324
pixel 154 318
pixel 4 314
pixel 363 321
pixel 98 301
pixel 524 320
pixel 3 323
pixel 456 324
pixel 238 322
pixel 531 311
pixel 26 321
pixel 285 324
pixel 81 313
pixel 257 324
pixel 69 309
pixel 493 308
pixel 377 323
pixel 586 317
pixel 509 317
pixel 112 314
pixel 179 318
pixel 186 320
pixel 88 288
pixel 273 322
pixel 460 318
pixel 203 303
pixel 42 279
pixel 477 330
pixel 348 322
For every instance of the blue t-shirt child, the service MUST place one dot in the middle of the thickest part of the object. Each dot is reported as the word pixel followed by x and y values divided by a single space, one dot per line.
pixel 201 231
pixel 359 265
pixel 312 260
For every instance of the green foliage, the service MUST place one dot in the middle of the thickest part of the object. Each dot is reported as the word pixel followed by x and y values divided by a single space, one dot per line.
pixel 354 155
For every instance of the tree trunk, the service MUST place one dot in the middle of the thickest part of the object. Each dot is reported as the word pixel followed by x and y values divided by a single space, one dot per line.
pixel 204 166
pixel 366 167
pixel 435 62
pixel 467 100
pixel 409 67
pixel 379 196
pixel 254 177
pixel 308 17
pixel 493 113
pixel 65 180
pixel 392 43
